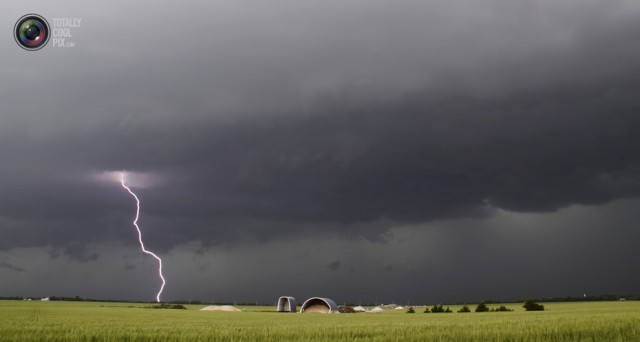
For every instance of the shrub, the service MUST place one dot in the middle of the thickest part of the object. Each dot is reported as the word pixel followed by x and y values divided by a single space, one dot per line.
pixel 426 310
pixel 502 308
pixel 464 308
pixel 411 310
pixel 482 307
pixel 167 306
pixel 531 305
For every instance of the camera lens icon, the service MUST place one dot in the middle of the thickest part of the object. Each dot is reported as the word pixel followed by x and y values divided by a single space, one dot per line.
pixel 32 32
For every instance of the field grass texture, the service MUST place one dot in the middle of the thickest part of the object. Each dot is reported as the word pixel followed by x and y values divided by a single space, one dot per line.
pixel 89 321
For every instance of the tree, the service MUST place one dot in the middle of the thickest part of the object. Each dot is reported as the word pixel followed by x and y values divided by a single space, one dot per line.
pixel 411 310
pixel 482 307
pixel 531 305
pixel 437 309
pixel 464 308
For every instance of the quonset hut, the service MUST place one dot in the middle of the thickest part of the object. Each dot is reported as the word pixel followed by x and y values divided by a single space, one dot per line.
pixel 286 304
pixel 317 304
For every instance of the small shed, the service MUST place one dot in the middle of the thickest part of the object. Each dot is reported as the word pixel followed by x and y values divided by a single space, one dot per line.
pixel 318 304
pixel 287 304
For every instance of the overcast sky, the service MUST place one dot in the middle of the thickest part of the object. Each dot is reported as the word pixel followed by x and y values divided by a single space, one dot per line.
pixel 412 150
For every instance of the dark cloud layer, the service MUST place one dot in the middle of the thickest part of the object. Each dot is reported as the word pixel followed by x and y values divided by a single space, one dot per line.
pixel 318 119
pixel 11 267
pixel 404 161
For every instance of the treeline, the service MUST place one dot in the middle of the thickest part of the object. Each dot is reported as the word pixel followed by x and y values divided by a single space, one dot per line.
pixel 99 300
pixel 596 298
pixel 529 305
pixel 599 298
pixel 74 299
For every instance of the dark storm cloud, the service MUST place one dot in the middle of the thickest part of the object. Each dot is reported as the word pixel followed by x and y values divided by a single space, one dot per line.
pixel 80 252
pixel 11 267
pixel 334 265
pixel 324 119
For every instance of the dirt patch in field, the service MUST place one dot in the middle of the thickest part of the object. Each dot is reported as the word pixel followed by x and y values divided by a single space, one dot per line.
pixel 228 308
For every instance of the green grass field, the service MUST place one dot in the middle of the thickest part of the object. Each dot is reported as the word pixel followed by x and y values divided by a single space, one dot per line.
pixel 88 321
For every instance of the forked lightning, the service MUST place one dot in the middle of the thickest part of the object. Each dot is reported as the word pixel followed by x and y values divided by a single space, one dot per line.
pixel 135 223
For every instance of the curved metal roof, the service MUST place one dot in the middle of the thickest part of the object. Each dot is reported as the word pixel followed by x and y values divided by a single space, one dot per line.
pixel 319 304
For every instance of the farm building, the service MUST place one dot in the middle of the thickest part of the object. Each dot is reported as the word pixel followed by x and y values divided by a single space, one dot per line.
pixel 286 304
pixel 317 304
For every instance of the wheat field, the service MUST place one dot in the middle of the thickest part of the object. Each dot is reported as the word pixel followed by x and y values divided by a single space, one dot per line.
pixel 91 321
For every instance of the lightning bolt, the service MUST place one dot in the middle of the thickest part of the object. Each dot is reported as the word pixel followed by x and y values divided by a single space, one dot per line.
pixel 135 223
